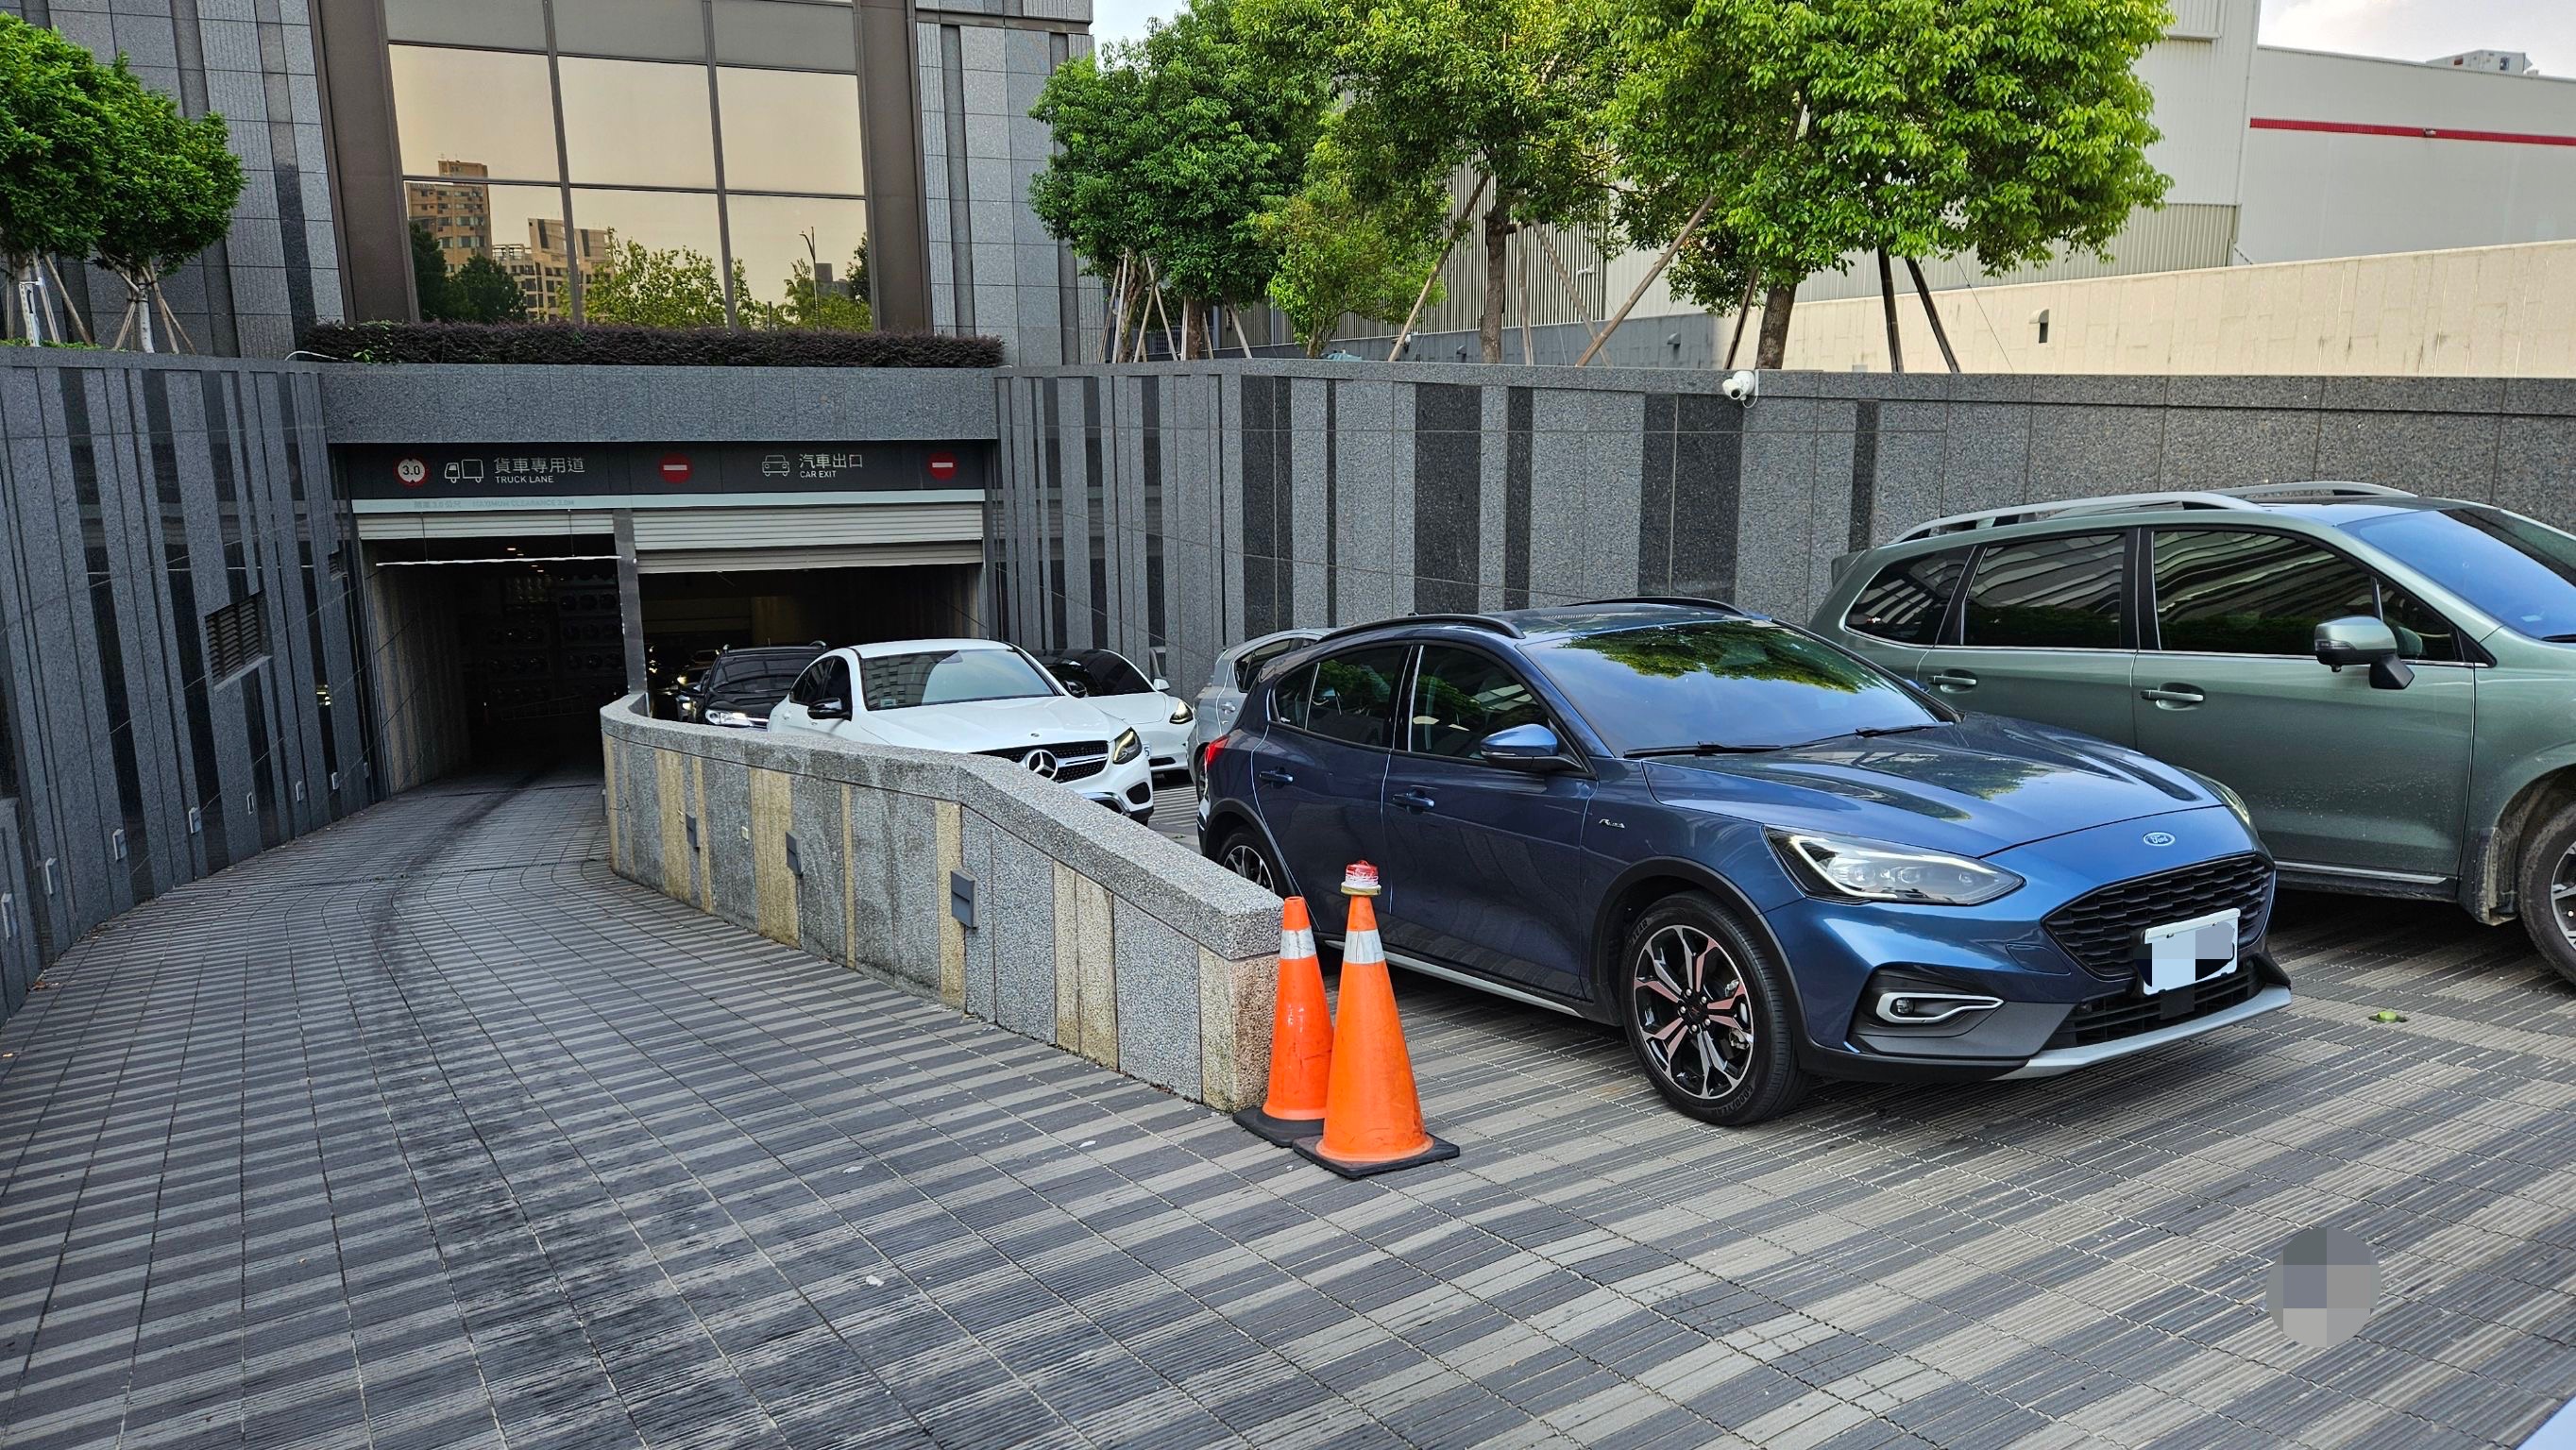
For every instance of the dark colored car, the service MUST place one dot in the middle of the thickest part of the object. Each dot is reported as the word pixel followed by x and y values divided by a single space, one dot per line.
pixel 737 688
pixel 1763 856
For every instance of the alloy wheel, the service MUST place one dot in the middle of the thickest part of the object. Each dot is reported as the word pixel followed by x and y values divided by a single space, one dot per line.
pixel 1245 860
pixel 1693 1011
pixel 2562 894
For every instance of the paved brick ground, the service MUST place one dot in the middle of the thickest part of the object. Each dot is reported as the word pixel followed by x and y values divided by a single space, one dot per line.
pixel 425 1131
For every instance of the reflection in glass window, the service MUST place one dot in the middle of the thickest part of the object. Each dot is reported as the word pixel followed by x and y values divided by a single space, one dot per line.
pixel 803 256
pixel 645 29
pixel 477 106
pixel 1355 696
pixel 484 253
pixel 2048 594
pixel 788 131
pixel 637 123
pixel 500 24
pixel 1460 697
pixel 771 32
pixel 1907 600
pixel 2238 592
pixel 1724 684
pixel 656 257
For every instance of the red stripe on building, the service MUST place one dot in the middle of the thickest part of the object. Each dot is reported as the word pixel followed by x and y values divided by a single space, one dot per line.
pixel 2419 133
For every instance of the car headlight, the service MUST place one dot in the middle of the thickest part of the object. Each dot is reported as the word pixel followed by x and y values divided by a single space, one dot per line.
pixel 1876 871
pixel 735 718
pixel 2228 798
pixel 1126 748
pixel 1182 714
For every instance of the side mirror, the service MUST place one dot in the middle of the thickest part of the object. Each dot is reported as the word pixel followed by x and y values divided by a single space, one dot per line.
pixel 2361 640
pixel 1161 686
pixel 1531 747
pixel 828 710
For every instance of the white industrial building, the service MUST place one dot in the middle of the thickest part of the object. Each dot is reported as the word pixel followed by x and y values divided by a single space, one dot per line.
pixel 2277 157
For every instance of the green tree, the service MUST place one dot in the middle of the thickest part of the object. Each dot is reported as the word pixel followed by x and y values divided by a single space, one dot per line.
pixel 1339 256
pixel 429 291
pixel 1512 91
pixel 171 185
pixel 670 287
pixel 1170 150
pixel 1801 133
pixel 830 306
pixel 484 291
pixel 54 157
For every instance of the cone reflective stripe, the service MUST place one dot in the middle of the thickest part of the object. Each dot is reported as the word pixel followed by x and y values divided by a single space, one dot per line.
pixel 1301 1037
pixel 1372 1114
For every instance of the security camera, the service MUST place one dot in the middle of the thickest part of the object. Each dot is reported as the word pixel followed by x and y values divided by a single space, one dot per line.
pixel 1741 387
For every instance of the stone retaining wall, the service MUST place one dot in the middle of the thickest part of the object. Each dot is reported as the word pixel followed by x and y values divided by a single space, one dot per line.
pixel 1090 932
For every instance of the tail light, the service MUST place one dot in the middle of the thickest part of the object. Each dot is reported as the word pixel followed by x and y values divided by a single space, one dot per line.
pixel 1207 756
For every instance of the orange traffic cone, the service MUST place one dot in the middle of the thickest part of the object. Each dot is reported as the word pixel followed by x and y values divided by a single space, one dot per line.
pixel 1301 1037
pixel 1372 1115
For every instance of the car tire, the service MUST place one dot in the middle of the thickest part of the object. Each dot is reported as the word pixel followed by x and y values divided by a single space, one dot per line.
pixel 1243 852
pixel 2549 864
pixel 1706 1006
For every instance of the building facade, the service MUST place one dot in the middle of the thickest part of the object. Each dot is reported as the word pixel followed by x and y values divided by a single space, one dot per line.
pixel 776 159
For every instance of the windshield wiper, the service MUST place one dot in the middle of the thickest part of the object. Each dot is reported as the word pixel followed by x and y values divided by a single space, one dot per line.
pixel 1705 747
pixel 2558 639
pixel 1872 732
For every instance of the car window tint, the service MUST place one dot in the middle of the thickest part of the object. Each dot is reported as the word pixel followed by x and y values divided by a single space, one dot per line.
pixel 2519 570
pixel 2421 633
pixel 1289 697
pixel 836 681
pixel 950 677
pixel 809 685
pixel 1461 696
pixel 1907 599
pixel 1728 683
pixel 2047 594
pixel 1110 674
pixel 2230 591
pixel 1248 668
pixel 1354 698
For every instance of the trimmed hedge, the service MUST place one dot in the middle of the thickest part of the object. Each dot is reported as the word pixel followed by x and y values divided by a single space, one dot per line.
pixel 606 345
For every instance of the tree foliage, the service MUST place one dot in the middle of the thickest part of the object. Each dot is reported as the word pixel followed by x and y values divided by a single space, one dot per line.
pixel 1998 129
pixel 170 186
pixel 1170 151
pixel 484 291
pixel 841 306
pixel 1513 91
pixel 649 287
pixel 429 292
pixel 1341 256
pixel 54 146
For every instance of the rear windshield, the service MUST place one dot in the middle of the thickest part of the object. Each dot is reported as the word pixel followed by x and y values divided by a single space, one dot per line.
pixel 2523 573
pixel 1100 673
pixel 1737 683
pixel 948 677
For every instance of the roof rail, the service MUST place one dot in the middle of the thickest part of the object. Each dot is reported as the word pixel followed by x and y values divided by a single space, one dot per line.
pixel 1687 601
pixel 2242 498
pixel 1502 627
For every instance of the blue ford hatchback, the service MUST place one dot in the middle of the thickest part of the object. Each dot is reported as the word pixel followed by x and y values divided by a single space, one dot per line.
pixel 1761 855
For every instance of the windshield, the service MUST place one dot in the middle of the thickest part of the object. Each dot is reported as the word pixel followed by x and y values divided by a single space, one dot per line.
pixel 1739 684
pixel 948 677
pixel 2522 573
pixel 763 685
pixel 1100 673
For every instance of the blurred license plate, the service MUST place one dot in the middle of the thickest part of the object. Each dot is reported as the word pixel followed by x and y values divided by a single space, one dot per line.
pixel 2180 953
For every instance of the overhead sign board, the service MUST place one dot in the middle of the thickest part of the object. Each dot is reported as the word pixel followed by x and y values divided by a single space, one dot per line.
pixel 449 471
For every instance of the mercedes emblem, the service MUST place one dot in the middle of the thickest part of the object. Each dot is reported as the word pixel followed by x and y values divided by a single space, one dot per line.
pixel 1041 763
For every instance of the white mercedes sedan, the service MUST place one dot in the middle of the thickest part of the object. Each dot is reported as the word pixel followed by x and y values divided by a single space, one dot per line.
pixel 972 696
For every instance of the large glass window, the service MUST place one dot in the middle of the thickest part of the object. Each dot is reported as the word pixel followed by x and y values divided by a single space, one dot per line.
pixel 1354 700
pixel 474 106
pixel 655 257
pixel 469 238
pixel 1906 601
pixel 504 24
pixel 1461 696
pixel 637 123
pixel 790 131
pixel 805 256
pixel 2048 594
pixel 2239 592
pixel 643 29
pixel 772 32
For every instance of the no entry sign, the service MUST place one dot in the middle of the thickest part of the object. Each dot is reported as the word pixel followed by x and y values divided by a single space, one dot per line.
pixel 675 468
pixel 943 466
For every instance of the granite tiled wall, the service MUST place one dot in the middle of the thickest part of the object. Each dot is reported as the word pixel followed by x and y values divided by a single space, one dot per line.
pixel 252 61
pixel 1089 932
pixel 140 499
pixel 1170 510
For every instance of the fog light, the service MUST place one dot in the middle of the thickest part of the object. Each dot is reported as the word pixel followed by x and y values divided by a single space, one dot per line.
pixel 1917 1009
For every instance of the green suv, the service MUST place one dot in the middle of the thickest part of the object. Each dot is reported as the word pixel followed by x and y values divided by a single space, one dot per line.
pixel 2388 681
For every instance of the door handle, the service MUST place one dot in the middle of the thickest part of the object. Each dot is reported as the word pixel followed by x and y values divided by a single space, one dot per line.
pixel 1275 776
pixel 2174 697
pixel 1954 680
pixel 1413 800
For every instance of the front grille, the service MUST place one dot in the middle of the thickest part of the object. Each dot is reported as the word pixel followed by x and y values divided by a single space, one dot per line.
pixel 2109 1019
pixel 1075 759
pixel 2100 929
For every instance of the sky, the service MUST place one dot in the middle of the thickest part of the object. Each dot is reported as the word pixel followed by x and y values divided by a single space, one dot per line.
pixel 2407 29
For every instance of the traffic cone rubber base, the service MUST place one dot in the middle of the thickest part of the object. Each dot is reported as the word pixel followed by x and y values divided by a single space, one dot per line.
pixel 1279 1132
pixel 1311 1148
